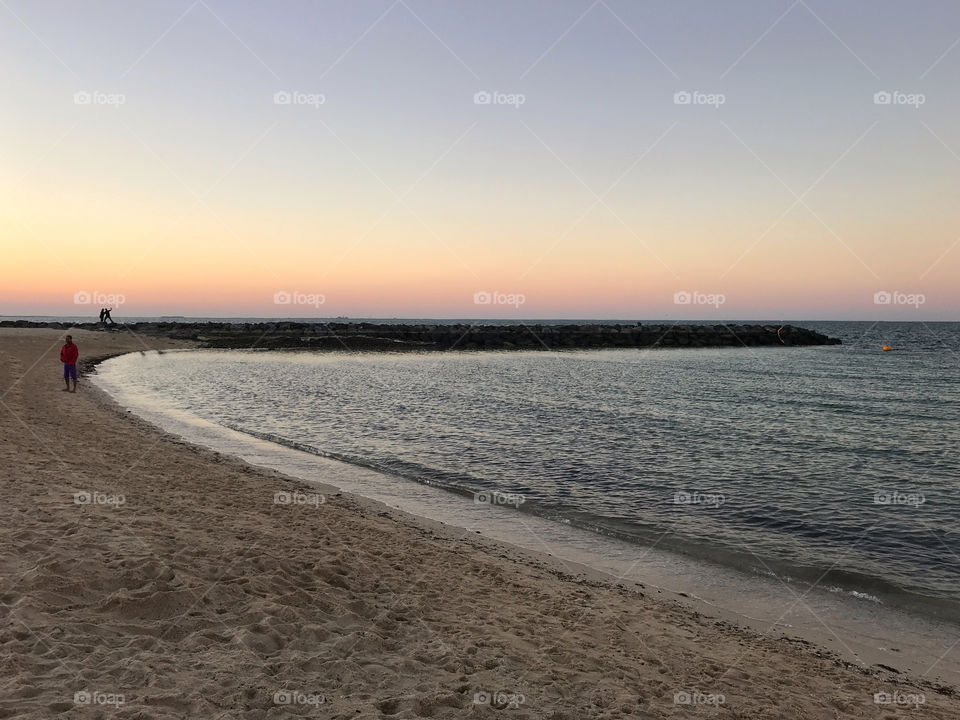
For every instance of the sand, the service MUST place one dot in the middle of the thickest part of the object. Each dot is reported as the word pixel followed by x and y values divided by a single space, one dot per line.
pixel 182 590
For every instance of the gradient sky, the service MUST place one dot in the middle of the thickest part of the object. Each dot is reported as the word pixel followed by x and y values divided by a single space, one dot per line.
pixel 599 196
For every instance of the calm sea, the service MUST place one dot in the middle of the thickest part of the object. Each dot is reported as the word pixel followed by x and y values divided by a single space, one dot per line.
pixel 831 465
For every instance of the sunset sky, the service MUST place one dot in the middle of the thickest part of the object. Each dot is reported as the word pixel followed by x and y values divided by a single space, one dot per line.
pixel 149 153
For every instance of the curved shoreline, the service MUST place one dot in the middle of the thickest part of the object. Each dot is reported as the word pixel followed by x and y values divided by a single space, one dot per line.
pixel 688 596
pixel 862 588
pixel 201 595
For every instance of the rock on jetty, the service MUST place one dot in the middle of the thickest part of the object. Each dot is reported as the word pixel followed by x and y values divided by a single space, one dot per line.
pixel 398 336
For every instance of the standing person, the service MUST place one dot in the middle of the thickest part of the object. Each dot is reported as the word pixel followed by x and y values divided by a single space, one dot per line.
pixel 68 356
pixel 103 311
pixel 106 316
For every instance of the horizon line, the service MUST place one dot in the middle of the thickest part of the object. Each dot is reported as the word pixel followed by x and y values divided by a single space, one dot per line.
pixel 147 318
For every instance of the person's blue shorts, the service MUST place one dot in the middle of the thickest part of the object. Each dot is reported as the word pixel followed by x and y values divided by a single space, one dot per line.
pixel 69 372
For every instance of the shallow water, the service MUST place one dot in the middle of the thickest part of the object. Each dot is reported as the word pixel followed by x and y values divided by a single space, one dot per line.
pixel 829 464
pixel 830 468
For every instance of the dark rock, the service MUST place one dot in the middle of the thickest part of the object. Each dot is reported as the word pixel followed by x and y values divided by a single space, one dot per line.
pixel 388 336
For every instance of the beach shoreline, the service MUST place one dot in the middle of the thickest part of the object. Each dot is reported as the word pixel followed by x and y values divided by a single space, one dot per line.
pixel 323 591
pixel 857 628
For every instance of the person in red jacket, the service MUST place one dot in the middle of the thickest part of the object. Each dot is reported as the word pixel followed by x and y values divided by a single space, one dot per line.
pixel 68 356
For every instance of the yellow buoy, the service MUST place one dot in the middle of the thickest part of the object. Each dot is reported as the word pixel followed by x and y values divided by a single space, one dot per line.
pixel 887 348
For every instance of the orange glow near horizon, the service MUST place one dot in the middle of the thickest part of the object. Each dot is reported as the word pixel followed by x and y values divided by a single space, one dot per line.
pixel 200 264
pixel 599 197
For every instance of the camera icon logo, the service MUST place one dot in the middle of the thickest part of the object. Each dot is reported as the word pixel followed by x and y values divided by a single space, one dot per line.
pixel 282 297
pixel 282 697
pixel 282 498
pixel 482 97
pixel 882 98
pixel 82 298
pixel 682 297
pixel 882 297
pixel 82 498
pixel 82 98
pixel 81 698
pixel 682 98
pixel 482 298
pixel 282 97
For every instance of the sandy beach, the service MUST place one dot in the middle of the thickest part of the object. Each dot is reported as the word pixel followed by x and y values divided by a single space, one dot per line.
pixel 143 577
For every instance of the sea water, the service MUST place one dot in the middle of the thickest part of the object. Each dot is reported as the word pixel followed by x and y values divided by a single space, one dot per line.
pixel 821 481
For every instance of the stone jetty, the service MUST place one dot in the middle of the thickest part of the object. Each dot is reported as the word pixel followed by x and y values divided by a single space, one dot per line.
pixel 402 336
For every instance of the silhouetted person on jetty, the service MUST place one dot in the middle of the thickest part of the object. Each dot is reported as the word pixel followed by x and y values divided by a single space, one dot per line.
pixel 106 316
pixel 103 311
